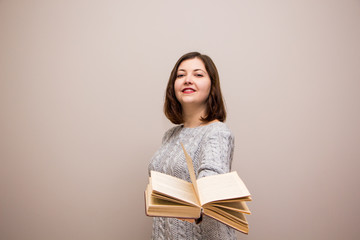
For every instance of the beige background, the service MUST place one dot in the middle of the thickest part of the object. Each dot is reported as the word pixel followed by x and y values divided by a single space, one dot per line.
pixel 81 94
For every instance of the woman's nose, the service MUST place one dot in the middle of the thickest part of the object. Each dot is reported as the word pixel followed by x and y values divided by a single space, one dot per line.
pixel 188 79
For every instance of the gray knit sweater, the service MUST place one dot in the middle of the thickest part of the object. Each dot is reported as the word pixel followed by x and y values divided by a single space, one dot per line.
pixel 211 148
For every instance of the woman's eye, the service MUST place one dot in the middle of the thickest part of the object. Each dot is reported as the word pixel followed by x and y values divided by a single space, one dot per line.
pixel 199 75
pixel 180 75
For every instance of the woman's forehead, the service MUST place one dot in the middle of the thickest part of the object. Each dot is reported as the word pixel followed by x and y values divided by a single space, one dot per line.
pixel 191 65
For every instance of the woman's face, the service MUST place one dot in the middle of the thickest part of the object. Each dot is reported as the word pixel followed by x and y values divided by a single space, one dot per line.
pixel 192 84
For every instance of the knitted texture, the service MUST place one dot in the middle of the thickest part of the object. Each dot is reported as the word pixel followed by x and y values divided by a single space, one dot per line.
pixel 211 149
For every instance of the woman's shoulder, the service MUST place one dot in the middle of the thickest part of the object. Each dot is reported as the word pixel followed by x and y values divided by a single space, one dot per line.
pixel 173 129
pixel 219 127
pixel 168 133
pixel 218 131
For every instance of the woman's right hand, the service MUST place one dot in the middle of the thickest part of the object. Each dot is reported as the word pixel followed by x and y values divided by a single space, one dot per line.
pixel 190 220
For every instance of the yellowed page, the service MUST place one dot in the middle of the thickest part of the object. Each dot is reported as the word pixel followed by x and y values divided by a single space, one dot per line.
pixel 167 198
pixel 235 223
pixel 238 205
pixel 246 199
pixel 168 208
pixel 231 215
pixel 221 187
pixel 173 187
pixel 147 198
pixel 191 170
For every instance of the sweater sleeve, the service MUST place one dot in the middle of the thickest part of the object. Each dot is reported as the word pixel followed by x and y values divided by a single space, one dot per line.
pixel 217 153
pixel 216 158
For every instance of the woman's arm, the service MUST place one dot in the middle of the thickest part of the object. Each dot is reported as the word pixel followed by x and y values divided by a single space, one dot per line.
pixel 216 158
pixel 217 153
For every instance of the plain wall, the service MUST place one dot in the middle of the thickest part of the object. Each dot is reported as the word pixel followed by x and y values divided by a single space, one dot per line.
pixel 81 95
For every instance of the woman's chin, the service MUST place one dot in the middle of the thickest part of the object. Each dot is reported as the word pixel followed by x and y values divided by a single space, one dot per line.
pixel 190 103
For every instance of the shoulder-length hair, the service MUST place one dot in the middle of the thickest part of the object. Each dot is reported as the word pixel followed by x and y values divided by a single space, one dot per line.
pixel 215 108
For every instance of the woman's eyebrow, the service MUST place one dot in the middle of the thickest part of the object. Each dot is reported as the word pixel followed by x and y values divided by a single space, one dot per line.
pixel 199 70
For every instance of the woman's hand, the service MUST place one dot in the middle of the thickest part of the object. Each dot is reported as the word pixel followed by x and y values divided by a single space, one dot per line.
pixel 190 220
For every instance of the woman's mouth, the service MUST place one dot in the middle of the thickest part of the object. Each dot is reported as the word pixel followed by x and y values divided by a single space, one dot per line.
pixel 188 90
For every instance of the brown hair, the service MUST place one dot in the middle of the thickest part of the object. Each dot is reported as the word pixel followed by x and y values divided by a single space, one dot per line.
pixel 215 108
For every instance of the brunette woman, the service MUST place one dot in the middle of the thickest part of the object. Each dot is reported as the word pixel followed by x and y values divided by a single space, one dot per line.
pixel 194 103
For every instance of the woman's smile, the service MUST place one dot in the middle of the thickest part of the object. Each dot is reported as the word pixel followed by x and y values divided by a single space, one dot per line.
pixel 188 90
pixel 192 84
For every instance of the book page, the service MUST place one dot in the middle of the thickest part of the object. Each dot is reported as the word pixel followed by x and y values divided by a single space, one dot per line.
pixel 221 187
pixel 229 214
pixel 173 187
pixel 235 205
pixel 191 170
pixel 236 222
pixel 168 208
pixel 167 198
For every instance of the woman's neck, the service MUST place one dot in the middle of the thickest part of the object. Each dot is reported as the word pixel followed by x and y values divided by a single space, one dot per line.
pixel 192 117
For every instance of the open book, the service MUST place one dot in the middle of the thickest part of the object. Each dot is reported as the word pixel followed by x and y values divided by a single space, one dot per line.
pixel 222 197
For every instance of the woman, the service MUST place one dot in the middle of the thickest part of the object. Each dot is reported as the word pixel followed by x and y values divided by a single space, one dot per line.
pixel 194 100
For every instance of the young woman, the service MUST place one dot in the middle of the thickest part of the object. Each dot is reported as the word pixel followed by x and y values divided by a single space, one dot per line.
pixel 194 102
